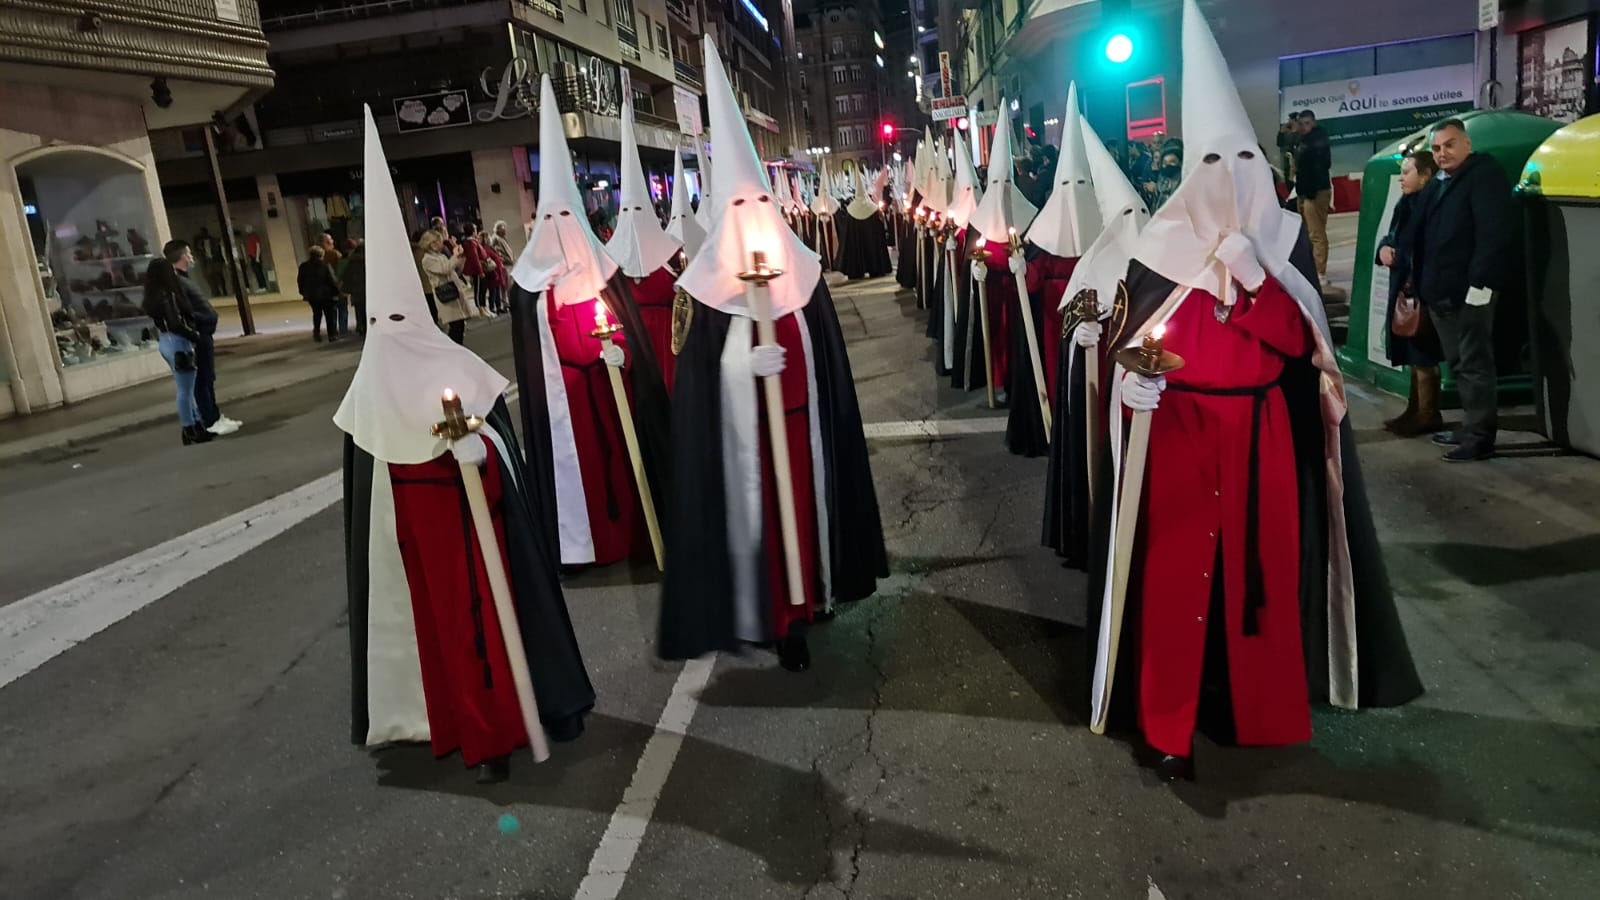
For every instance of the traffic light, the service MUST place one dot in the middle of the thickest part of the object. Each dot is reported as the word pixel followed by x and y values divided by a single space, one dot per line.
pixel 1116 21
pixel 888 131
pixel 961 123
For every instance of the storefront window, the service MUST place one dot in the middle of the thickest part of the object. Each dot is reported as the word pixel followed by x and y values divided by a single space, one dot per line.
pixel 92 229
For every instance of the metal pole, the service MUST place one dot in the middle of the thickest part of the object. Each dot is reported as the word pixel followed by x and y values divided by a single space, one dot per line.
pixel 247 319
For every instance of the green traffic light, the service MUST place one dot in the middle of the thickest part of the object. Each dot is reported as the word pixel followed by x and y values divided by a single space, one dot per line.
pixel 1119 47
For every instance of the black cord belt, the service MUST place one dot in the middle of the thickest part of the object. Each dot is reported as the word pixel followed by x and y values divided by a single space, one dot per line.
pixel 1255 596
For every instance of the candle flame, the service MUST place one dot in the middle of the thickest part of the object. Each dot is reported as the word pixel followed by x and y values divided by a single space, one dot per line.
pixel 1011 231
pixel 449 395
pixel 1158 332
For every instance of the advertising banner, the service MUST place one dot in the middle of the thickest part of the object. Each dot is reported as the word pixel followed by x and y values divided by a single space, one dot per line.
pixel 1383 107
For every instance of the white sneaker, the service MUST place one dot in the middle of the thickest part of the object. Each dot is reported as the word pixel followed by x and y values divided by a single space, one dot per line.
pixel 231 421
pixel 224 426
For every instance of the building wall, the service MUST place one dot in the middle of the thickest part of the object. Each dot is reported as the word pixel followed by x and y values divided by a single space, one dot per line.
pixel 512 203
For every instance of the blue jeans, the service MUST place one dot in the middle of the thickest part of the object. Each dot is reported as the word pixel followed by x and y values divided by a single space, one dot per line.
pixel 171 346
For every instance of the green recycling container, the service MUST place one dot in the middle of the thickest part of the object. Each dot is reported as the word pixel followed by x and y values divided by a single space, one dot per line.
pixel 1560 197
pixel 1510 137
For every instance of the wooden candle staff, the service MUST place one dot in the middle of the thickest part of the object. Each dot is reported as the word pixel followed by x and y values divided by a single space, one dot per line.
pixel 606 330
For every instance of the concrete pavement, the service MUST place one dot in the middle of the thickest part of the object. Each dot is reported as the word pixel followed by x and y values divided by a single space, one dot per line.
pixel 197 747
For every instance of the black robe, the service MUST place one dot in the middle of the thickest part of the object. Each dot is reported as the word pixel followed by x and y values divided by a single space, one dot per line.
pixel 1024 423
pixel 560 680
pixel 863 246
pixel 1387 675
pixel 697 614
pixel 905 245
pixel 1066 481
pixel 971 370
pixel 650 400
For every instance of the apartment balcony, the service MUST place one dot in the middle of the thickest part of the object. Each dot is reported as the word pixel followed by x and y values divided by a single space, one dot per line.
pixel 628 43
pixel 684 16
pixel 689 75
pixel 205 63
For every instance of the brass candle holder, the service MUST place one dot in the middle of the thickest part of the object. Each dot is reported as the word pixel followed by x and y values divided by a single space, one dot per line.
pixel 457 424
pixel 1013 242
pixel 759 273
pixel 1150 358
pixel 603 326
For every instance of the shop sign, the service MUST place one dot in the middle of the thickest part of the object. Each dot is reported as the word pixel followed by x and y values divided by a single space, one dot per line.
pixel 1381 107
pixel 513 99
pixel 1488 14
pixel 228 10
pixel 687 103
pixel 945 87
pixel 947 108
pixel 422 112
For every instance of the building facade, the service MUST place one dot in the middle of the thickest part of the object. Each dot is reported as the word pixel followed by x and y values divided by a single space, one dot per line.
pixel 83 85
pixel 846 83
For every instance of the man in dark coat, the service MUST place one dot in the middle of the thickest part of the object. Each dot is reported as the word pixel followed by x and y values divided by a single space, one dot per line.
pixel 1466 239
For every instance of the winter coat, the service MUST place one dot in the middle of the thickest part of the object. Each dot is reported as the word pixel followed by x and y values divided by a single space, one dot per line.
pixel 440 268
pixel 1467 233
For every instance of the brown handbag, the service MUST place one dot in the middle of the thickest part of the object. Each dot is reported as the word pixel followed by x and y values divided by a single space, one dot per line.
pixel 1407 313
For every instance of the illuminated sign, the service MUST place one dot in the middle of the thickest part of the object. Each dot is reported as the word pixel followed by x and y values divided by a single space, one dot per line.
pixel 755 13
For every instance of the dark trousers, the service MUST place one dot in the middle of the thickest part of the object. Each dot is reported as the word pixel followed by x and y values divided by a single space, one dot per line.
pixel 458 331
pixel 1467 337
pixel 205 382
pixel 342 307
pixel 324 309
pixel 433 307
pixel 260 272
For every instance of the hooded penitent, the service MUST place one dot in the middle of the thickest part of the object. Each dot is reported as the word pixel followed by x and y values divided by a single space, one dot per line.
pixel 1003 206
pixel 960 332
pixel 411 555
pixel 1001 212
pixel 565 285
pixel 642 250
pixel 1070 219
pixel 682 224
pixel 1100 269
pixel 1293 525
pixel 725 579
pixel 863 243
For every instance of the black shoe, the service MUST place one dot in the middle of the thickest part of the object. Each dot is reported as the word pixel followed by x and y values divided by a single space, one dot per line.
pixel 494 771
pixel 1469 451
pixel 1175 768
pixel 196 434
pixel 316 336
pixel 332 337
pixel 1447 439
pixel 793 654
pixel 563 730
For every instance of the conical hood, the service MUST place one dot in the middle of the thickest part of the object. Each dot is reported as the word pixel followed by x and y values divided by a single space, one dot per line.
pixel 745 220
pixel 967 193
pixel 1003 207
pixel 1122 210
pixel 1070 219
pixel 1231 192
pixel 638 244
pixel 797 197
pixel 562 250
pixel 824 204
pixel 861 205
pixel 407 363
pixel 682 224
pixel 879 183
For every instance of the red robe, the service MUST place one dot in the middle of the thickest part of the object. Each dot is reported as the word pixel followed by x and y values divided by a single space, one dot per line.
pixel 466 679
pixel 1049 274
pixel 796 405
pixel 1001 288
pixel 615 516
pixel 653 293
pixel 1195 513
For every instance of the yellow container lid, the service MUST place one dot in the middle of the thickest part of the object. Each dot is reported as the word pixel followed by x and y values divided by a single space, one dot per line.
pixel 1567 164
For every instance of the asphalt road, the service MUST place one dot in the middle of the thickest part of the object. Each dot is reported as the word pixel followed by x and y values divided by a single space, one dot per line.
pixel 197 748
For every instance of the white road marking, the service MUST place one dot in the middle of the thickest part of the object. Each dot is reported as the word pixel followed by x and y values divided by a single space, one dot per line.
pixel 609 866
pixel 918 428
pixel 38 628
pixel 1154 893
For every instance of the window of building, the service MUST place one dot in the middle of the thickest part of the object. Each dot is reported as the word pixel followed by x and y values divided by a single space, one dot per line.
pixel 837 46
pixel 843 136
pixel 661 39
pixel 841 104
pixel 625 20
pixel 580 5
pixel 646 31
pixel 838 74
pixel 803 80
pixel 855 44
pixel 858 102
pixel 855 73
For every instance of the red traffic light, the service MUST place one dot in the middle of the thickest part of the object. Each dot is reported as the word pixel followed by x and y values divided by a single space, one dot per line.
pixel 888 131
pixel 961 123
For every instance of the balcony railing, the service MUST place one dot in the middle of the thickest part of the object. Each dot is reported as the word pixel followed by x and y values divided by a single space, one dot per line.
pixel 682 12
pixel 688 74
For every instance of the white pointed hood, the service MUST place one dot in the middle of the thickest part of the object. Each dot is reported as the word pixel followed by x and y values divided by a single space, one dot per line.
pixel 1122 210
pixel 682 224
pixel 638 244
pixel 879 183
pixel 407 363
pixel 1070 219
pixel 1234 192
pixel 967 193
pixel 824 204
pixel 562 249
pixel 1003 207
pixel 941 177
pixel 861 205
pixel 745 219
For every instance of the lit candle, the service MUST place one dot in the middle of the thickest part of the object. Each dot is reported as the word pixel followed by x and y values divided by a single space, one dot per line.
pixel 1159 332
pixel 600 321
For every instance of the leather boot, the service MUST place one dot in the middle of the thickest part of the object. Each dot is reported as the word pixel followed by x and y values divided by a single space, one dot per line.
pixel 1427 419
pixel 195 434
pixel 1400 423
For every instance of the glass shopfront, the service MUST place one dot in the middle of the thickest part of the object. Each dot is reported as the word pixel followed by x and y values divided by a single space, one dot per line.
pixel 93 237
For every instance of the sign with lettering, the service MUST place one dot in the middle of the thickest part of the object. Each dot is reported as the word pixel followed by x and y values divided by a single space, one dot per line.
pixel 228 10
pixel 687 103
pixel 443 109
pixel 947 108
pixel 945 87
pixel 1383 107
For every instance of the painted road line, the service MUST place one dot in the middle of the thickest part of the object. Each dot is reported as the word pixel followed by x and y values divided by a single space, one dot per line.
pixel 38 628
pixel 612 860
pixel 936 428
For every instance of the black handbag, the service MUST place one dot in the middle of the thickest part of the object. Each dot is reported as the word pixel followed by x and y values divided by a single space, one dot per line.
pixel 183 361
pixel 447 292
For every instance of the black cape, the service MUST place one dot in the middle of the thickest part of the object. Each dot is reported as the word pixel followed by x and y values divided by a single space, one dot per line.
pixel 863 246
pixel 1066 482
pixel 651 405
pixel 560 680
pixel 1387 675
pixel 1024 423
pixel 697 615
pixel 905 245
pixel 971 371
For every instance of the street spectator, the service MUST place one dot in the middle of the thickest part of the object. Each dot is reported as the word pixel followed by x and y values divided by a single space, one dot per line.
pixel 1466 239
pixel 417 252
pixel 1167 177
pixel 1140 167
pixel 1313 183
pixel 166 304
pixel 443 270
pixel 600 224
pixel 1288 141
pixel 321 290
pixel 1398 251
pixel 500 245
pixel 204 316
pixel 476 264
pixel 335 261
pixel 354 283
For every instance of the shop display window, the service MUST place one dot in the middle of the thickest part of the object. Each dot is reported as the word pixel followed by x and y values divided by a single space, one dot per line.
pixel 93 238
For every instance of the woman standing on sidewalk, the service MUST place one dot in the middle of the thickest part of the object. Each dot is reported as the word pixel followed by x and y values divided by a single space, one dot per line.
pixel 444 282
pixel 1420 350
pixel 165 304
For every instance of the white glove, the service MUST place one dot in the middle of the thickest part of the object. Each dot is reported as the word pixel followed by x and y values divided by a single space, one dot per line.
pixel 980 271
pixel 1142 394
pixel 612 355
pixel 1087 334
pixel 1239 255
pixel 950 244
pixel 470 450
pixel 767 359
pixel 1477 296
pixel 1019 266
